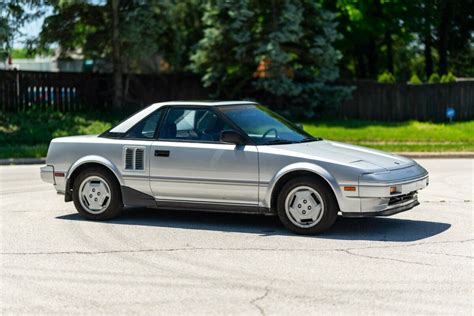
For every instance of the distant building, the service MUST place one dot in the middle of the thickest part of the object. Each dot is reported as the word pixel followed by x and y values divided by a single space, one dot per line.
pixel 42 63
pixel 73 62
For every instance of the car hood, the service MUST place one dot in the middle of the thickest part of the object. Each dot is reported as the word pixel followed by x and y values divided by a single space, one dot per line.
pixel 357 156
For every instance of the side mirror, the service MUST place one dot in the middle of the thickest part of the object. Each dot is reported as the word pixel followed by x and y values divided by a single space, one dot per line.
pixel 232 137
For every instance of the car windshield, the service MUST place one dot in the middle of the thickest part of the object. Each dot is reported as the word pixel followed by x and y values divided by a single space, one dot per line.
pixel 265 127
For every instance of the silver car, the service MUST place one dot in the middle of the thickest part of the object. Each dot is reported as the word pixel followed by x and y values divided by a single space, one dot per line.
pixel 228 157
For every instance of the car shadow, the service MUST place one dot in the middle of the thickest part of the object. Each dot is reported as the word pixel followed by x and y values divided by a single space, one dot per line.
pixel 376 228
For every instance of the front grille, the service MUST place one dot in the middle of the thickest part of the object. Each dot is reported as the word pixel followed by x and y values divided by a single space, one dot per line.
pixel 402 198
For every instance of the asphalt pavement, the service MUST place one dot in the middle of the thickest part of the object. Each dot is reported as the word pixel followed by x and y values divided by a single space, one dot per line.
pixel 165 262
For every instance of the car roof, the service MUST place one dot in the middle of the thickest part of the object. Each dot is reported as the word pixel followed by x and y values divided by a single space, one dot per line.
pixel 137 117
pixel 203 103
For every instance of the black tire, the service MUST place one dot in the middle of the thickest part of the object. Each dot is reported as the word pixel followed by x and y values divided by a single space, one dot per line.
pixel 330 210
pixel 115 205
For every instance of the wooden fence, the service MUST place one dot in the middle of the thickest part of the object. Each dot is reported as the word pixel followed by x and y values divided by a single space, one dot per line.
pixel 401 102
pixel 65 92
pixel 20 90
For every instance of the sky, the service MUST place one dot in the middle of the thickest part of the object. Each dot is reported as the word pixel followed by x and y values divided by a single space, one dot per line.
pixel 31 29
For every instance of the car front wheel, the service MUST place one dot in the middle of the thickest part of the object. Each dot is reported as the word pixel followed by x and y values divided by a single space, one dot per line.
pixel 97 195
pixel 307 206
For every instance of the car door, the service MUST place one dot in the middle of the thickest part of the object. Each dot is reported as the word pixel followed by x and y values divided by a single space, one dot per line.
pixel 131 155
pixel 190 164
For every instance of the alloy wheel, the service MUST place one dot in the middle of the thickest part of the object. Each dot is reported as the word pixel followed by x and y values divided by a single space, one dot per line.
pixel 94 194
pixel 304 206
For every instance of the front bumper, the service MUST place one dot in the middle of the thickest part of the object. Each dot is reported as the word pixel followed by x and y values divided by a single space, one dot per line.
pixel 377 198
pixel 47 174
pixel 390 210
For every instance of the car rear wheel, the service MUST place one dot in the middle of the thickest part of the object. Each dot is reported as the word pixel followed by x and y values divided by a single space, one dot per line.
pixel 307 206
pixel 97 195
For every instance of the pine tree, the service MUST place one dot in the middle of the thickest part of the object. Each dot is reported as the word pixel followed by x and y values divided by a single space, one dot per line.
pixel 283 50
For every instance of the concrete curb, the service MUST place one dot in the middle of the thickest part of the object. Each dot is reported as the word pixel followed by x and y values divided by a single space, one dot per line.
pixel 414 155
pixel 437 155
pixel 22 161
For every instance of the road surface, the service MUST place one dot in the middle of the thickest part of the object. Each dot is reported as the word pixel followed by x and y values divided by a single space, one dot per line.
pixel 163 262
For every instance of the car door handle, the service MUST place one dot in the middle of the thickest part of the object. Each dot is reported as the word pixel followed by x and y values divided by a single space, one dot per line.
pixel 162 153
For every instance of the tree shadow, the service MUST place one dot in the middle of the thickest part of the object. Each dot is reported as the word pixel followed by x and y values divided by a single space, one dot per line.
pixel 376 229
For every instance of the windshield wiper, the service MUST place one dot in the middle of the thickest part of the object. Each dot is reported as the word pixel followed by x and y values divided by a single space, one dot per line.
pixel 279 142
pixel 310 139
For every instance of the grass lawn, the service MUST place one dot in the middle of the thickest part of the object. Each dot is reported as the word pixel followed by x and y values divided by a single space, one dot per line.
pixel 28 134
pixel 398 136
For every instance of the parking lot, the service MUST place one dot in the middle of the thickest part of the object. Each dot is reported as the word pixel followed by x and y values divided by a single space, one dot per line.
pixel 149 261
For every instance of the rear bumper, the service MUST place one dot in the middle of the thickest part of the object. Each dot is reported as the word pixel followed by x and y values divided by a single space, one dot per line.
pixel 47 174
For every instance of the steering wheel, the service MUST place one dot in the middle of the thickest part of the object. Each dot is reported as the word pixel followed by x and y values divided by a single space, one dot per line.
pixel 269 131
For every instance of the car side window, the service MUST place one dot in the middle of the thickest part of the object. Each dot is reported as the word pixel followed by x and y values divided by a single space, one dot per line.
pixel 146 128
pixel 192 125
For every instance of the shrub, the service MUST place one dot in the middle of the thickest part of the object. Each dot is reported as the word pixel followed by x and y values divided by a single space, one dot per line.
pixel 35 126
pixel 415 80
pixel 447 78
pixel 434 78
pixel 386 77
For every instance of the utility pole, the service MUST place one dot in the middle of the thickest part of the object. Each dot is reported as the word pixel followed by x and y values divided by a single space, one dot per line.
pixel 117 58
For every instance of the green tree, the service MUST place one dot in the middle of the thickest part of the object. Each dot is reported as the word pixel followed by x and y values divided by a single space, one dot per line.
pixel 284 49
pixel 128 33
pixel 13 15
pixel 460 42
pixel 169 28
pixel 447 78
pixel 447 28
pixel 373 30
pixel 415 80
pixel 434 78
pixel 386 77
pixel 404 36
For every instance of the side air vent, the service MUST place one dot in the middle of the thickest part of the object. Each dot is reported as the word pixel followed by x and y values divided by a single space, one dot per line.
pixel 139 157
pixel 134 158
pixel 129 158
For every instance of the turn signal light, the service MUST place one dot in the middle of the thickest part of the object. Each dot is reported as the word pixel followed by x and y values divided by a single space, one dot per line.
pixel 59 174
pixel 351 189
pixel 393 190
